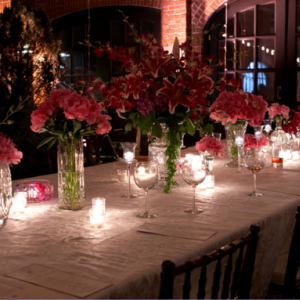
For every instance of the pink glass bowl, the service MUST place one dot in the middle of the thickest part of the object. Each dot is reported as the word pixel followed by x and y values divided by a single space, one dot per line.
pixel 37 190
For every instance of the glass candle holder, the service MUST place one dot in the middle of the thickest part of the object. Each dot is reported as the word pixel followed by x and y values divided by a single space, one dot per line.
pixel 239 142
pixel 258 133
pixel 122 176
pixel 19 202
pixel 217 136
pixel 268 125
pixel 97 216
pixel 99 203
pixel 36 190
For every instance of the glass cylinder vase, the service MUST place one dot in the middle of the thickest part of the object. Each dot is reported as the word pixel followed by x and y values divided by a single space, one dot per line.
pixel 209 181
pixel 5 193
pixel 157 154
pixel 278 136
pixel 70 165
pixel 232 149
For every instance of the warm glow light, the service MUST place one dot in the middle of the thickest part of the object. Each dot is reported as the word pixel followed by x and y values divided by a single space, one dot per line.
pixel 262 48
pixel 243 42
pixel 248 44
pixel 272 52
pixel 298 59
pixel 267 50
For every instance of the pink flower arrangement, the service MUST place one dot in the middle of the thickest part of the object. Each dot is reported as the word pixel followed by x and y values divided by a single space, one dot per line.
pixel 276 109
pixel 230 107
pixel 74 106
pixel 8 153
pixel 212 145
pixel 251 141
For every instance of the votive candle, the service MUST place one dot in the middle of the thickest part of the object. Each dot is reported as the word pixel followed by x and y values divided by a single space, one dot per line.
pixel 128 156
pixel 96 216
pixel 99 203
pixel 19 202
pixel 239 141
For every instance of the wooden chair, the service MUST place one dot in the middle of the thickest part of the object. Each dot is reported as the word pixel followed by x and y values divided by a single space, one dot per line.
pixel 290 289
pixel 242 274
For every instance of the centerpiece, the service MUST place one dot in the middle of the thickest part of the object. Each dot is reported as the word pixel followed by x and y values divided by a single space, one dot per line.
pixel 68 117
pixel 163 94
pixel 277 113
pixel 235 110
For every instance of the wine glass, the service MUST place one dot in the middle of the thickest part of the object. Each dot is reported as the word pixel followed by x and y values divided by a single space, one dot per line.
pixel 255 162
pixel 193 173
pixel 146 177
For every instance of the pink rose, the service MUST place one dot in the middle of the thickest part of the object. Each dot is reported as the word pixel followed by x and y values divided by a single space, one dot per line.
pixel 76 107
pixel 212 145
pixel 8 152
pixel 95 112
pixel 103 124
pixel 38 120
pixel 57 97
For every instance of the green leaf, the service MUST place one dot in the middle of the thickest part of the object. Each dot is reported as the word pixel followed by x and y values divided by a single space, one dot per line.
pixel 190 128
pixel 156 130
pixel 128 126
pixel 65 126
pixel 55 132
pixel 45 141
pixel 208 128
pixel 76 125
pixel 52 142
pixel 132 115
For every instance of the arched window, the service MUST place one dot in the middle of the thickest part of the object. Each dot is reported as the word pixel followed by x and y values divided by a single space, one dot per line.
pixel 106 24
pixel 266 35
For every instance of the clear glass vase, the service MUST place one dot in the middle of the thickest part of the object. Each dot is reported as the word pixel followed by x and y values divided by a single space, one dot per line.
pixel 70 166
pixel 232 149
pixel 157 154
pixel 278 136
pixel 5 193
pixel 209 181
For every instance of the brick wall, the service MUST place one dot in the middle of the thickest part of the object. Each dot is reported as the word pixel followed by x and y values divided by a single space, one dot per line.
pixel 178 16
pixel 4 3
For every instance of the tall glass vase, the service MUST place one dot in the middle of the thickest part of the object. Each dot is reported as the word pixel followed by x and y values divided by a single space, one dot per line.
pixel 232 149
pixel 278 136
pixel 70 165
pixel 5 193
pixel 157 154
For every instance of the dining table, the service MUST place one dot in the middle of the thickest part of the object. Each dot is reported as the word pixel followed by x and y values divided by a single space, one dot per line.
pixel 125 260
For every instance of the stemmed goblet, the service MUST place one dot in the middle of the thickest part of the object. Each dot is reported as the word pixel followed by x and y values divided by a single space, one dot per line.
pixel 128 157
pixel 193 173
pixel 255 162
pixel 146 176
pixel 258 133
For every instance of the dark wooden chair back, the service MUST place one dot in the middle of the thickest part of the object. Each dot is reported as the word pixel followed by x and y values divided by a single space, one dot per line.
pixel 290 289
pixel 237 285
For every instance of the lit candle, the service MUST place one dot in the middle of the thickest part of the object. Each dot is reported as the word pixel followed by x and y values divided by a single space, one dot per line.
pixel 19 202
pixel 288 154
pixel 122 175
pixel 99 203
pixel 96 216
pixel 128 156
pixel 267 128
pixel 258 135
pixel 296 155
pixel 209 181
pixel 239 141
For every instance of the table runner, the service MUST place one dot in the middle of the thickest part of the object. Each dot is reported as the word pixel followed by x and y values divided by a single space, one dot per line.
pixel 64 240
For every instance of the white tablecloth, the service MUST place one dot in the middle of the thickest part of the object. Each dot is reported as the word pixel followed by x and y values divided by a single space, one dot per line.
pixel 130 260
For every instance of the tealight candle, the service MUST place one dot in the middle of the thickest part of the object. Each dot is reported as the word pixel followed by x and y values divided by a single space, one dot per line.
pixel 288 154
pixel 96 216
pixel 19 202
pixel 239 141
pixel 128 156
pixel 258 135
pixel 209 181
pixel 122 175
pixel 99 203
pixel 268 128
pixel 296 155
